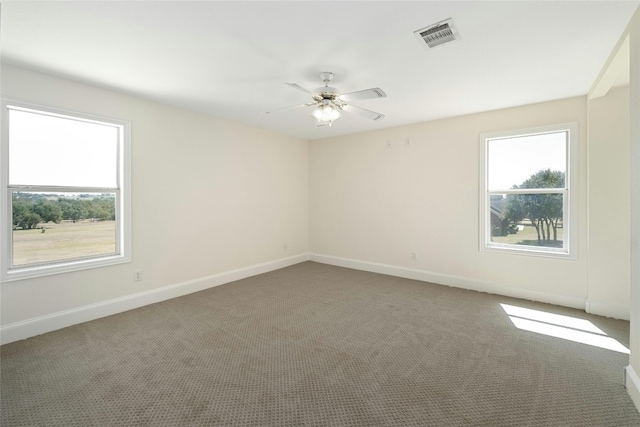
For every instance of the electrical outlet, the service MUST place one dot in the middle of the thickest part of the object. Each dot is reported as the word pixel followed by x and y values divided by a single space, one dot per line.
pixel 407 143
pixel 137 275
pixel 414 256
pixel 389 144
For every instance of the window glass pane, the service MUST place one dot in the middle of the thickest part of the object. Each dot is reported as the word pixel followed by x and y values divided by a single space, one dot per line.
pixel 513 161
pixel 50 227
pixel 56 151
pixel 527 219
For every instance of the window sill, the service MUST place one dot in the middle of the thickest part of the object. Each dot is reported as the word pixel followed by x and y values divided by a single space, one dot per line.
pixel 530 251
pixel 59 268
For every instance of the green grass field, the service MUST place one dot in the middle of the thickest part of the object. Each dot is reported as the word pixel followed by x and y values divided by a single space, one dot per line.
pixel 63 241
pixel 527 236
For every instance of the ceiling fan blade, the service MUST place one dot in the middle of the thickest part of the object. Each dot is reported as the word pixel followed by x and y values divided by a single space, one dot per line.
pixel 371 115
pixel 375 92
pixel 297 86
pixel 308 104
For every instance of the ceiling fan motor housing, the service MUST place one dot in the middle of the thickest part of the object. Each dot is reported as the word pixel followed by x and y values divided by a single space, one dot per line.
pixel 325 92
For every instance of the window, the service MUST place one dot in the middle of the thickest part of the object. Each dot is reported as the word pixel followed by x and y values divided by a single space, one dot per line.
pixel 528 200
pixel 65 191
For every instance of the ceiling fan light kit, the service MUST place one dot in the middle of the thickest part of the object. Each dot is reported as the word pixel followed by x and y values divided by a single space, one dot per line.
pixel 326 114
pixel 330 103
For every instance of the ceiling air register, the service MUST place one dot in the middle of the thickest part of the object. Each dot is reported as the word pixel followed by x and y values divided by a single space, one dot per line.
pixel 437 34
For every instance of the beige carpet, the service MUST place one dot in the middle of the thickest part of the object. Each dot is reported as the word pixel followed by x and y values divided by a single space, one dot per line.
pixel 316 345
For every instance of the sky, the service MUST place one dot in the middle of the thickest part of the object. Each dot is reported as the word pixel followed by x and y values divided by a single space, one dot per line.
pixel 513 160
pixel 46 150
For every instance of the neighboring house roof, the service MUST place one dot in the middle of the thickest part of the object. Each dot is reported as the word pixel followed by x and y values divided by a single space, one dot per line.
pixel 497 207
pixel 497 212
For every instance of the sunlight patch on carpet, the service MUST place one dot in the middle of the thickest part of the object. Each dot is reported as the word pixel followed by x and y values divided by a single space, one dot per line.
pixel 564 327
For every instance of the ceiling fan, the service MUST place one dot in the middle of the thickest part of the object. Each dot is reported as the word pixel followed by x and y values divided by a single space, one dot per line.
pixel 330 103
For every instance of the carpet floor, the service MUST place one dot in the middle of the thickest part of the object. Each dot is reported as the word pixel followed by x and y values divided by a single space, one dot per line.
pixel 318 345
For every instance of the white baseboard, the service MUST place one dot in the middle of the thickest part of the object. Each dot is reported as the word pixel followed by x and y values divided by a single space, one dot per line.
pixel 608 309
pixel 632 383
pixel 453 281
pixel 51 322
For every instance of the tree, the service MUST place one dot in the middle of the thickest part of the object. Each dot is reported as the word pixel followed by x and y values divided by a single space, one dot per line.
pixel 29 220
pixel 20 208
pixel 101 208
pixel 48 211
pixel 544 211
pixel 106 208
pixel 72 209
pixel 22 213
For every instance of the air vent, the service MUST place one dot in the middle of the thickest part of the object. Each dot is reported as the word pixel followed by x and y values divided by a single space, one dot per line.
pixel 437 34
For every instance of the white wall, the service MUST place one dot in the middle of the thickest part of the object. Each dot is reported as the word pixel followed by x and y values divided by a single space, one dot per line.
pixel 633 371
pixel 209 196
pixel 609 202
pixel 371 206
pixel 614 128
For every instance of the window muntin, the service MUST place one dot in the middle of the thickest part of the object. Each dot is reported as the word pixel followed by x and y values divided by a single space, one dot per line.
pixel 527 203
pixel 67 175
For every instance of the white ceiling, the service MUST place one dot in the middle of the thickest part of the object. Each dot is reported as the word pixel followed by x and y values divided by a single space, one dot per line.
pixel 231 59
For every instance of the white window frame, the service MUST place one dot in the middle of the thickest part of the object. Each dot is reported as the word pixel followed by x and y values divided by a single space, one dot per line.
pixel 570 195
pixel 122 203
